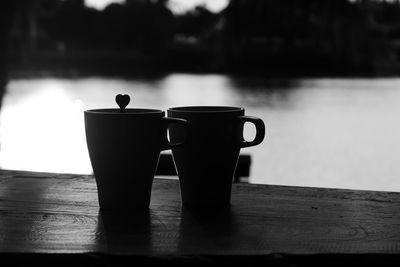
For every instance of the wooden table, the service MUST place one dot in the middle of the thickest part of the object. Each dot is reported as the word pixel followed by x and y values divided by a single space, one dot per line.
pixel 54 219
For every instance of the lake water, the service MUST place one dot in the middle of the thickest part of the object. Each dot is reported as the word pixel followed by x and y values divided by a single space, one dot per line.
pixel 339 133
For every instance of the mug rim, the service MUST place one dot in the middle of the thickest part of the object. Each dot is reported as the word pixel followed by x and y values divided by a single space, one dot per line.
pixel 128 111
pixel 206 109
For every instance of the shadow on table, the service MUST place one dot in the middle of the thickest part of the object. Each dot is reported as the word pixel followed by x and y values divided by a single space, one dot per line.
pixel 125 233
pixel 209 231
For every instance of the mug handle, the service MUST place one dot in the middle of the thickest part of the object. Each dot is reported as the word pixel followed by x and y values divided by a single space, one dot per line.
pixel 260 130
pixel 168 120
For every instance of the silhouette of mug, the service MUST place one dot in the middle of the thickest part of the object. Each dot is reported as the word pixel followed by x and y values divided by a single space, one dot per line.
pixel 207 163
pixel 124 148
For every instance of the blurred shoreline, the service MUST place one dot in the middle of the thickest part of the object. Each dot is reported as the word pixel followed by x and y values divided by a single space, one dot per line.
pixel 126 66
pixel 109 63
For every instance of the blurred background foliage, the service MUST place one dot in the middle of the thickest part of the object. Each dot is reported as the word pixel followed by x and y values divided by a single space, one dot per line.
pixel 285 37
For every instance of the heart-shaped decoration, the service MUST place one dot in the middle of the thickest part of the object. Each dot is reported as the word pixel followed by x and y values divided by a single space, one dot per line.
pixel 122 101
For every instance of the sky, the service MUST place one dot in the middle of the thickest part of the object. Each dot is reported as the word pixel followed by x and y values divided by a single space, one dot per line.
pixel 177 6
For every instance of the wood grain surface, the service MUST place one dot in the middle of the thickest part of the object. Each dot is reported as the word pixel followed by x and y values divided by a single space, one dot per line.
pixel 59 213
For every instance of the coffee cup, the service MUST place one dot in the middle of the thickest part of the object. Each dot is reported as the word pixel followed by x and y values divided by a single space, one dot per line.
pixel 124 147
pixel 207 163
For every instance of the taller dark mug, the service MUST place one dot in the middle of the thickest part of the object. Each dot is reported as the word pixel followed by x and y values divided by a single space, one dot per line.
pixel 207 163
pixel 124 148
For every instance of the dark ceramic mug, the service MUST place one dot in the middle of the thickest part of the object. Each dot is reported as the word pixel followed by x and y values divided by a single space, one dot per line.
pixel 124 148
pixel 207 162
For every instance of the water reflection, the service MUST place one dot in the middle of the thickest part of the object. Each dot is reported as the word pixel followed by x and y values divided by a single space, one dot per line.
pixel 44 132
pixel 178 90
pixel 320 132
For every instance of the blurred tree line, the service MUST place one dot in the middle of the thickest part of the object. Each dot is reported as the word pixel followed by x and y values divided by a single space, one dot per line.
pixel 293 37
pixel 303 36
